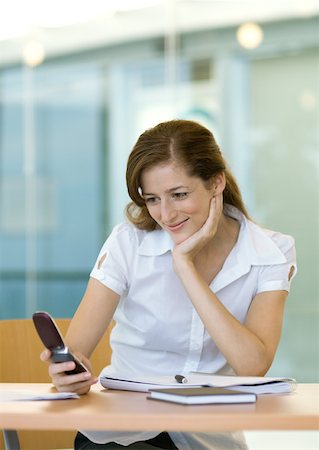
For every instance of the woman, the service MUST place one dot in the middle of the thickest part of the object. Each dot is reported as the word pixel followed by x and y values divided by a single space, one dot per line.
pixel 192 283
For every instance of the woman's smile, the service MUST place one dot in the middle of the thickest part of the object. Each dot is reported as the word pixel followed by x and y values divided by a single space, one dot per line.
pixel 177 226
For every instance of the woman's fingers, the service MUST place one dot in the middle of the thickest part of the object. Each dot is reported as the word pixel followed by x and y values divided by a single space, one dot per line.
pixel 80 382
pixel 85 361
pixel 58 368
pixel 209 228
pixel 80 386
pixel 45 355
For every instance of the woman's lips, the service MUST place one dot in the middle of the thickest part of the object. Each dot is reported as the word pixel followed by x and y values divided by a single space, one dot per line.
pixel 176 227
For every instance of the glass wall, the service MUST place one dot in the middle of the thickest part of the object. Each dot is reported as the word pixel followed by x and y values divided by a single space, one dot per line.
pixel 284 172
pixel 67 127
pixel 51 186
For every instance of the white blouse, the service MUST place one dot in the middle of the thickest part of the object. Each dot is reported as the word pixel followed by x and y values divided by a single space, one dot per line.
pixel 158 331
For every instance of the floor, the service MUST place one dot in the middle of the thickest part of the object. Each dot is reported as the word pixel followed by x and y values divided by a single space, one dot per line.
pixel 282 440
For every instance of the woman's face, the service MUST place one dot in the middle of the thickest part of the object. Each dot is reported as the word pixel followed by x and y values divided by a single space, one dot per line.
pixel 177 202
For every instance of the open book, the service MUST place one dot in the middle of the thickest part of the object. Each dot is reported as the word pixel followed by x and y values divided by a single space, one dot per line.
pixel 256 385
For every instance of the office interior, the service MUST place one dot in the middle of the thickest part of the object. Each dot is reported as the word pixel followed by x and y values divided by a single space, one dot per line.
pixel 77 90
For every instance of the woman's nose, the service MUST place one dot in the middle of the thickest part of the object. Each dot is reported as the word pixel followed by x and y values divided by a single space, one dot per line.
pixel 168 211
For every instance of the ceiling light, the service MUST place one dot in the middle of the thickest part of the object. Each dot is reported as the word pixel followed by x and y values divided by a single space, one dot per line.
pixel 33 53
pixel 249 35
pixel 307 100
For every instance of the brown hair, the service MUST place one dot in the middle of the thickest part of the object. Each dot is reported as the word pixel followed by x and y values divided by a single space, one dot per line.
pixel 187 143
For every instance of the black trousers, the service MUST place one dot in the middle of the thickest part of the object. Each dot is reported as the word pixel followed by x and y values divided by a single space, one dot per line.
pixel 161 441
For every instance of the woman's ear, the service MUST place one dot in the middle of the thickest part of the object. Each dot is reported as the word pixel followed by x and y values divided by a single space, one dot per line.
pixel 219 183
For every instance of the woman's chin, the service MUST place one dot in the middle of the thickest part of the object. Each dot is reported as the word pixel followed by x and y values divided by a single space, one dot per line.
pixel 178 239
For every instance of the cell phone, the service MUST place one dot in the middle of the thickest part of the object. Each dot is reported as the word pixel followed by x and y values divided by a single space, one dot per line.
pixel 52 340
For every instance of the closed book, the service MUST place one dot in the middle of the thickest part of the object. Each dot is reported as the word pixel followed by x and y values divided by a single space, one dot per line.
pixel 201 395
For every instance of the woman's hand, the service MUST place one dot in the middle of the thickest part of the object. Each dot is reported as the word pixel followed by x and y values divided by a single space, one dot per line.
pixel 79 383
pixel 189 248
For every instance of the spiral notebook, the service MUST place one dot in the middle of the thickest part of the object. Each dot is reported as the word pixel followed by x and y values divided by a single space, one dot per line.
pixel 256 385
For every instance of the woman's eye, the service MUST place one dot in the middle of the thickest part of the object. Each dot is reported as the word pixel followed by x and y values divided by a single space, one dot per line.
pixel 150 200
pixel 180 195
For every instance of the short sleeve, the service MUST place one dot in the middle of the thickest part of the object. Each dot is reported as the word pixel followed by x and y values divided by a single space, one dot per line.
pixel 115 259
pixel 279 276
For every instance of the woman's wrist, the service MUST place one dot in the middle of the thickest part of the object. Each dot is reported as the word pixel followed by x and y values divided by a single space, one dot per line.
pixel 183 264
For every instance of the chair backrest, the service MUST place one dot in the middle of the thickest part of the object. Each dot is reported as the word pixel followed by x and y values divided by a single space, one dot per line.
pixel 20 348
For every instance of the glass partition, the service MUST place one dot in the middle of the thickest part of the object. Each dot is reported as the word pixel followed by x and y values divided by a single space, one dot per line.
pixel 67 126
pixel 50 187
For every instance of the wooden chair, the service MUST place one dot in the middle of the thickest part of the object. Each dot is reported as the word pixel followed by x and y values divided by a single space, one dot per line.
pixel 20 348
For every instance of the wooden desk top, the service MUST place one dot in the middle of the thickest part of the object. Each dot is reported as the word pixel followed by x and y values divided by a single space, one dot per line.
pixel 128 411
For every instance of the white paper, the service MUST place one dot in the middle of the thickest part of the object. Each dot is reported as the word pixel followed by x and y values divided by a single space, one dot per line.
pixel 13 396
pixel 257 385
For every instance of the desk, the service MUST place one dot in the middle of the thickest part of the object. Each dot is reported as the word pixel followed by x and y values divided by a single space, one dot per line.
pixel 131 411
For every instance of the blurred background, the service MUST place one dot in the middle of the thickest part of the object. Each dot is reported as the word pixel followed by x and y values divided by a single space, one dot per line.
pixel 79 81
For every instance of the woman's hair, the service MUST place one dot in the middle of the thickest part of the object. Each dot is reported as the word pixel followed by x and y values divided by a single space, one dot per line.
pixel 186 143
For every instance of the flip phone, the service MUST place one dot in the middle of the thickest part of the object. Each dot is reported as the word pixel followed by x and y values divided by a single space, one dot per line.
pixel 52 340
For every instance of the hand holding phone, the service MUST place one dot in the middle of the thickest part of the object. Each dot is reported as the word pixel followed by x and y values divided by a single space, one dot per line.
pixel 52 340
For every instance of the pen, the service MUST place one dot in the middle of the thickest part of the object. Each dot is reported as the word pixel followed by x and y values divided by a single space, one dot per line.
pixel 180 379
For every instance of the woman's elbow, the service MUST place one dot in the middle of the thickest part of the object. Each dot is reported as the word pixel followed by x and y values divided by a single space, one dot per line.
pixel 256 368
